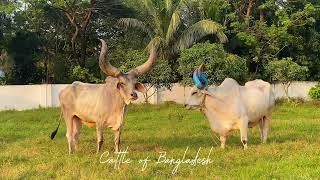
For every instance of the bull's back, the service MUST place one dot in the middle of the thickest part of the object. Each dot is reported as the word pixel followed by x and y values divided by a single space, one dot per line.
pixel 258 98
pixel 266 88
pixel 82 100
pixel 226 90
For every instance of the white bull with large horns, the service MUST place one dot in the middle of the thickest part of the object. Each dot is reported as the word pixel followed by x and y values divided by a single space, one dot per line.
pixel 230 106
pixel 102 105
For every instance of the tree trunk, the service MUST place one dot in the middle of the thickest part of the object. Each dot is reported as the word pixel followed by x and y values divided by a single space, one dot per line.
pixel 146 99
pixel 286 89
pixel 249 13
pixel 80 31
pixel 46 70
pixel 83 49
pixel 250 7
pixel 262 16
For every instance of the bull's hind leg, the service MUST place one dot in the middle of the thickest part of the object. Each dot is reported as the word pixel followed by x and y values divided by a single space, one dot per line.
pixel 69 125
pixel 261 128
pixel 76 131
pixel 264 127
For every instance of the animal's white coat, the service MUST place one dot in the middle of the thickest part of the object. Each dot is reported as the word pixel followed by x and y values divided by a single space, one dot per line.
pixel 230 106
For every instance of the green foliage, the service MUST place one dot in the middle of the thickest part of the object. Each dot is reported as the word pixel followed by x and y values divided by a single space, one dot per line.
pixel 6 66
pixel 214 10
pixel 25 50
pixel 79 73
pixel 285 70
pixel 3 81
pixel 219 64
pixel 274 30
pixel 247 38
pixel 314 92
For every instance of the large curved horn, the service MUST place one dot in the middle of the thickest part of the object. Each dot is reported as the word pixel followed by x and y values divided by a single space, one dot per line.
pixel 147 66
pixel 104 63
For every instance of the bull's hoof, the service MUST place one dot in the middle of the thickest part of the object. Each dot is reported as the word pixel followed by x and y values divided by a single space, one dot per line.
pixel 245 147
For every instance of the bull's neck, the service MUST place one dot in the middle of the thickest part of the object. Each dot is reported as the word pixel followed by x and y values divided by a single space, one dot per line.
pixel 213 103
pixel 111 90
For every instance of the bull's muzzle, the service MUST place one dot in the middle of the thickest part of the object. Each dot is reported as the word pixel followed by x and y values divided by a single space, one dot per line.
pixel 134 96
pixel 187 106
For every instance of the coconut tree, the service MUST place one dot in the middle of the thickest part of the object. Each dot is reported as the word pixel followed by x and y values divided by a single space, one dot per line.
pixel 169 29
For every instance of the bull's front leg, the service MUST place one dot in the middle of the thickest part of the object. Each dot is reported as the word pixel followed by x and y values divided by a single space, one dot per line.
pixel 223 141
pixel 99 137
pixel 117 134
pixel 244 132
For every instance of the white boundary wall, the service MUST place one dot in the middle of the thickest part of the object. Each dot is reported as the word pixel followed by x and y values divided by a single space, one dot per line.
pixel 22 97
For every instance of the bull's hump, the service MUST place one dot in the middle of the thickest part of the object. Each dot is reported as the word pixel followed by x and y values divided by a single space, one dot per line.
pixel 79 83
pixel 229 81
pixel 227 86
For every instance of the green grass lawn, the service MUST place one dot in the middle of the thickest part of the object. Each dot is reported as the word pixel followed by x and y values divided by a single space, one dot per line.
pixel 292 150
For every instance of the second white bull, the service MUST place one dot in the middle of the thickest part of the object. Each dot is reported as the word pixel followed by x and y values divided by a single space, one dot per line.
pixel 230 107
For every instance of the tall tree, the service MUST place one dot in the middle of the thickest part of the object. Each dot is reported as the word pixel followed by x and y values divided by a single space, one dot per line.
pixel 167 27
pixel 79 14
pixel 25 49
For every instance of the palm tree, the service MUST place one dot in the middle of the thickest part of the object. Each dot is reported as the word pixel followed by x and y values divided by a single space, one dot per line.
pixel 214 10
pixel 168 30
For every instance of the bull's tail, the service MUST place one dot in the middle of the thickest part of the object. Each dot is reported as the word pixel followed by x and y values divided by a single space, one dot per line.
pixel 53 134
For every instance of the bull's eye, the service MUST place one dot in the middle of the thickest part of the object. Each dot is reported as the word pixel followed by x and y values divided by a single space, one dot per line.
pixel 193 93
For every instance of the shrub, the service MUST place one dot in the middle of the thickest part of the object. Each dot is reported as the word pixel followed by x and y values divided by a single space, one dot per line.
pixel 286 71
pixel 314 92
pixel 82 74
pixel 219 64
pixel 3 81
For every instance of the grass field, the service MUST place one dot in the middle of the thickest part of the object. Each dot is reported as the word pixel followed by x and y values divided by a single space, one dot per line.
pixel 292 150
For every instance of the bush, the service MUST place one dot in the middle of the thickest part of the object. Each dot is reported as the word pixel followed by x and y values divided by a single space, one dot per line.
pixel 314 92
pixel 219 64
pixel 286 71
pixel 82 74
pixel 3 81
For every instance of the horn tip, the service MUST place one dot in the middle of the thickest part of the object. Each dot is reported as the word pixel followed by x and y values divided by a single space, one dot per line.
pixel 102 41
pixel 202 67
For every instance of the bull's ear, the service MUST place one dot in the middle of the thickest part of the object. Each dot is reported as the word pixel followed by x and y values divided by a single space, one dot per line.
pixel 140 87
